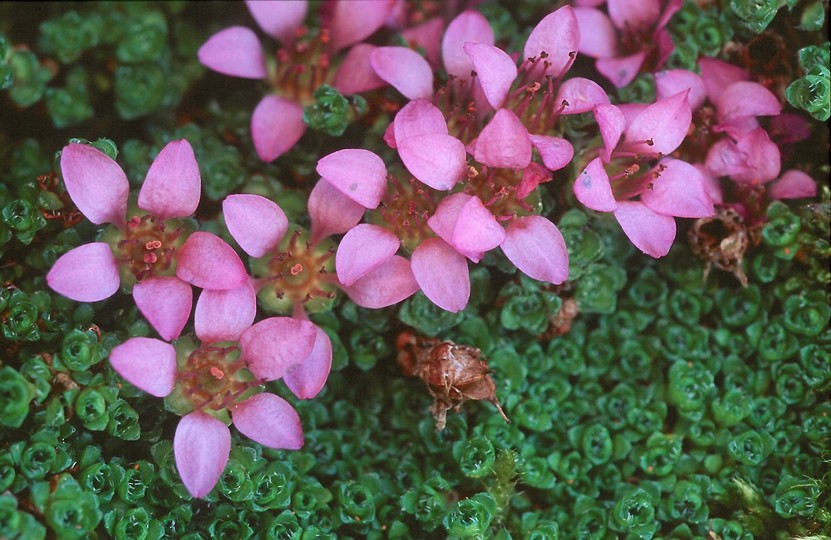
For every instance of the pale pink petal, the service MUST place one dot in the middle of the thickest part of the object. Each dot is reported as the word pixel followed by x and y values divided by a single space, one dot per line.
pixel 593 189
pixel 664 123
pixel 444 219
pixel 224 315
pixel 355 20
pixel 634 15
pixel 355 74
pixel 426 36
pixel 476 229
pixel 504 143
pixel 276 126
pixel 419 117
pixel 306 379
pixel 269 420
pixel 273 345
pixel 331 211
pixel 277 18
pixel 359 174
pixel 208 262
pixel 437 160
pixel 670 82
pixel 363 248
pixel 87 273
pixel 725 159
pixel 793 185
pixel 532 176
pixel 737 127
pixel 495 69
pixel 581 95
pixel 165 302
pixel 201 447
pixel 745 98
pixel 598 37
pixel 234 51
pixel 719 75
pixel 611 122
pixel 678 191
pixel 632 110
pixel 623 70
pixel 404 69
pixel 256 223
pixel 384 285
pixel 558 34
pixel 442 274
pixel 173 184
pixel 712 185
pixel 96 184
pixel 764 161
pixel 555 152
pixel 649 231
pixel 468 26
pixel 146 363
pixel 537 248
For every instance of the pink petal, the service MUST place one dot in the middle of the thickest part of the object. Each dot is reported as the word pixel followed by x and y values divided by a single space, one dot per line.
pixel 611 122
pixel 598 37
pixel 201 446
pixel 468 26
pixel 634 15
pixel 419 117
pixel 355 74
pixel 623 70
pixel 632 110
pixel 476 229
pixel 537 248
pixel 555 152
pixel 256 223
pixel 404 69
pixel 234 51
pixel 270 421
pixel 793 185
pixel 442 274
pixel 426 36
pixel 745 98
pixel 665 123
pixel 358 174
pixel 763 158
pixel 649 231
pixel 273 345
pixel 712 185
pixel 172 186
pixel 789 128
pixel 276 126
pixel 225 315
pixel 146 363
pixel 581 94
pixel 206 261
pixel 670 82
pixel 277 18
pixel 331 211
pixel 678 191
pixel 87 273
pixel 504 143
pixel 165 302
pixel 355 20
pixel 495 69
pixel 444 220
pixel 384 285
pixel 532 176
pixel 725 159
pixel 719 75
pixel 363 248
pixel 593 189
pixel 437 160
pixel 306 379
pixel 96 184
pixel 558 34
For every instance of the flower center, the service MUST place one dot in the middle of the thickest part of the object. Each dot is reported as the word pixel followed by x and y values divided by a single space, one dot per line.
pixel 405 209
pixel 303 66
pixel 214 377
pixel 147 247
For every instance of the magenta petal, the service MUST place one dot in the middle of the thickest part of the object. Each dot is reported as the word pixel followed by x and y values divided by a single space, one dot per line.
pixel 419 117
pixel 532 176
pixel 146 363
pixel 793 185
pixel 384 285
pixel 495 69
pixel 306 379
pixel 87 273
pixel 234 51
pixel 476 229
pixel 558 34
pixel 580 95
pixel 355 20
pixel 718 75
pixel 634 15
pixel 504 143
pixel 670 82
pixel 201 447
pixel 444 220
pixel 172 186
pixel 270 421
pixel 406 70
pixel 555 152
pixel 678 191
pixel 611 122
pixel 665 123
pixel 598 37
pixel 165 302
pixel 225 315
pixel 206 261
pixel 745 98
pixel 358 174
pixel 621 71
pixel 256 223
pixel 276 126
pixel 764 161
pixel 427 37
pixel 442 274
pixel 331 211
pixel 593 189
pixel 649 231
pixel 537 248
pixel 277 18
pixel 437 160
pixel 355 74
pixel 273 345
pixel 96 184
pixel 725 159
pixel 469 26
pixel 363 248
pixel 712 185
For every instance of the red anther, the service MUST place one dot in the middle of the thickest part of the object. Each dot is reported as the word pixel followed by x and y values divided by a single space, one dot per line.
pixel 296 269
pixel 153 244
pixel 150 258
pixel 217 373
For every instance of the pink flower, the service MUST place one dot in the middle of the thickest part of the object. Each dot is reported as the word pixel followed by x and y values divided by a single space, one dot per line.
pixel 153 252
pixel 216 379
